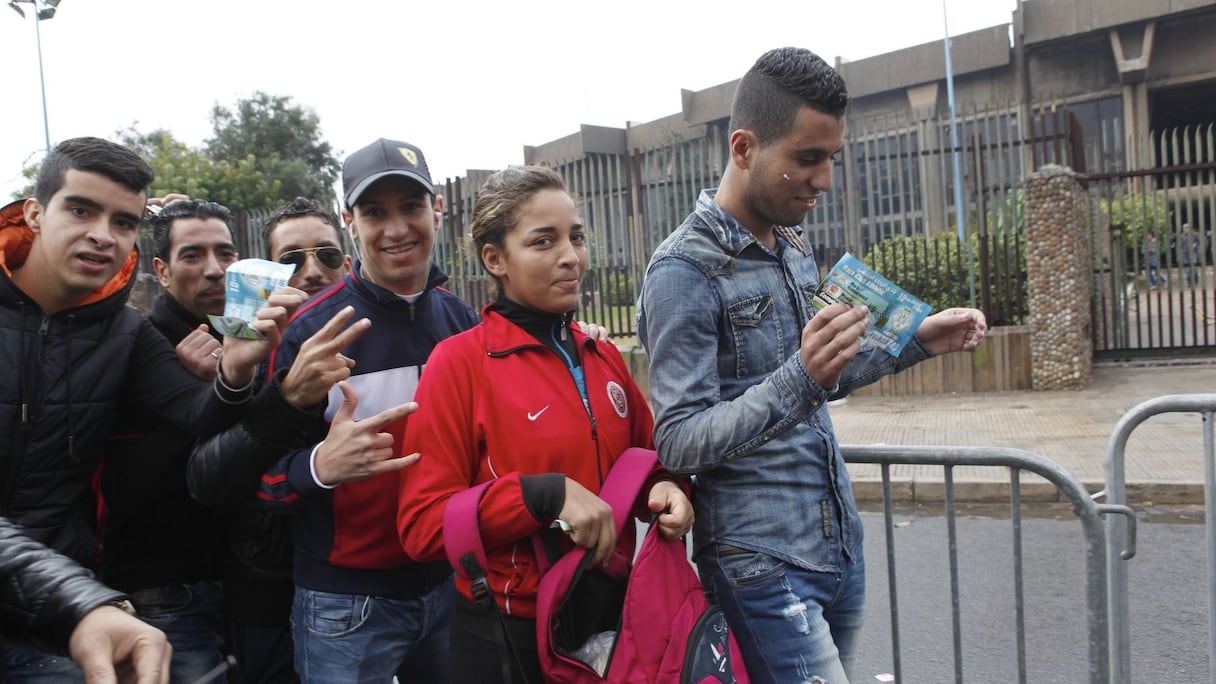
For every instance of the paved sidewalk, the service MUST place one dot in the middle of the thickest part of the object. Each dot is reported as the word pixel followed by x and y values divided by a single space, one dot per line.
pixel 1163 458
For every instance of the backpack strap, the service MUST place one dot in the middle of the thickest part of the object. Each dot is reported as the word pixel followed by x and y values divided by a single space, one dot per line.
pixel 462 540
pixel 467 555
pixel 624 482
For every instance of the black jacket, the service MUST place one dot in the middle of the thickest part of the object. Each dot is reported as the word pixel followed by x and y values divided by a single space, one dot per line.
pixel 154 534
pixel 257 569
pixel 62 378
pixel 43 594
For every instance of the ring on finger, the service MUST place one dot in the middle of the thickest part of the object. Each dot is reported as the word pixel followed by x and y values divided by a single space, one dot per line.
pixel 215 354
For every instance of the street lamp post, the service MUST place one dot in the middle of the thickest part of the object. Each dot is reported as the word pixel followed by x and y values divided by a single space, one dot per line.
pixel 960 212
pixel 43 10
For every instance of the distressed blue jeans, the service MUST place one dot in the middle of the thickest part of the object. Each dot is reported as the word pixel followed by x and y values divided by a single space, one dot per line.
pixel 353 638
pixel 792 624
pixel 22 665
pixel 190 616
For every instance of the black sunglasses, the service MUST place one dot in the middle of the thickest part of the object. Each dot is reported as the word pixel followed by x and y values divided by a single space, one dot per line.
pixel 330 257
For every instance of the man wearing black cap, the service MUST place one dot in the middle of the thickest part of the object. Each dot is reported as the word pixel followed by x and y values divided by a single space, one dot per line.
pixel 363 611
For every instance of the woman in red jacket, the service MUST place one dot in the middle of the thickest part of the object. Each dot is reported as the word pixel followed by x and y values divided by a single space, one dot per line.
pixel 524 400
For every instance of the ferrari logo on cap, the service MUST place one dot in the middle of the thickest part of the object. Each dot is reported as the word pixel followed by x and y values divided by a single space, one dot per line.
pixel 409 155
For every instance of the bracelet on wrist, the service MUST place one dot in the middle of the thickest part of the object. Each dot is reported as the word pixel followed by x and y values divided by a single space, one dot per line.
pixel 219 376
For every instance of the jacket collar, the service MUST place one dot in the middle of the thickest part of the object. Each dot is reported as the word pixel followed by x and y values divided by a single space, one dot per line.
pixel 502 336
pixel 734 236
pixel 174 320
pixel 435 278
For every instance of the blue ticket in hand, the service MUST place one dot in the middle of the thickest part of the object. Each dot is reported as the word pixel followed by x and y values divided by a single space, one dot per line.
pixel 248 284
pixel 895 314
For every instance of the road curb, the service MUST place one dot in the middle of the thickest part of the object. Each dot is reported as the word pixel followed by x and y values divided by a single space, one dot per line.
pixel 1033 489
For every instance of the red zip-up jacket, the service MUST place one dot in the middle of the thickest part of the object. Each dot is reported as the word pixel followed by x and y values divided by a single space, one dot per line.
pixel 495 404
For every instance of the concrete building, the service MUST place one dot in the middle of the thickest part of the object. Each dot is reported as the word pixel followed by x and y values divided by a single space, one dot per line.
pixel 1066 81
pixel 1122 91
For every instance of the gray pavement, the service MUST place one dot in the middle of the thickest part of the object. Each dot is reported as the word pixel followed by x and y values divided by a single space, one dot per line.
pixel 1163 456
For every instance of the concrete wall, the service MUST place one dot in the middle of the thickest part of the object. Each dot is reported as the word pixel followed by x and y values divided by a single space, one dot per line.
pixel 1178 54
pixel 971 52
pixel 1082 65
pixel 1052 20
pixel 1001 364
pixel 589 140
pixel 670 130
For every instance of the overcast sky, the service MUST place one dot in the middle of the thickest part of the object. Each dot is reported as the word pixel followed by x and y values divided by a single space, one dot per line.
pixel 471 83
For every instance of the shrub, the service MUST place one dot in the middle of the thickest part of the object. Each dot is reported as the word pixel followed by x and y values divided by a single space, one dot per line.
pixel 938 270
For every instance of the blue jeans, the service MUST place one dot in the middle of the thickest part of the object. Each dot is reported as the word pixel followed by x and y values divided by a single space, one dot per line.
pixel 352 638
pixel 21 665
pixel 1192 272
pixel 792 624
pixel 1154 276
pixel 190 616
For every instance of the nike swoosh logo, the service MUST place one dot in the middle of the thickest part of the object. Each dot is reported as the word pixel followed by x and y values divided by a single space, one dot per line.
pixel 534 416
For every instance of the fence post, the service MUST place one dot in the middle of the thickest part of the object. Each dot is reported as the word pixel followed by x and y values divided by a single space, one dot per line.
pixel 1057 279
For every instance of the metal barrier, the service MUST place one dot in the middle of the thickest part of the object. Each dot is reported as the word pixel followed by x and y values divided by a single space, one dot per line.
pixel 1016 460
pixel 1116 495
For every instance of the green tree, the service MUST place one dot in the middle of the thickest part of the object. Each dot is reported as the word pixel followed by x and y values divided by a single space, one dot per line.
pixel 30 174
pixel 281 140
pixel 1138 214
pixel 238 185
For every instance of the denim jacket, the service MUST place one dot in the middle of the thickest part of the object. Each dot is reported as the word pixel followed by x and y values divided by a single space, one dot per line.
pixel 721 317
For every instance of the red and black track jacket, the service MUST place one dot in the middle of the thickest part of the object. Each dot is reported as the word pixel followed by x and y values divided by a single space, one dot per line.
pixel 496 404
pixel 346 538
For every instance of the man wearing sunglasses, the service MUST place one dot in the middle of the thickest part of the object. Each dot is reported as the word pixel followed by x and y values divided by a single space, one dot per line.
pixel 309 238
pixel 258 588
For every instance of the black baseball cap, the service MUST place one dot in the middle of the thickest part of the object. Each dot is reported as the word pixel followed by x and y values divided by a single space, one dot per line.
pixel 382 158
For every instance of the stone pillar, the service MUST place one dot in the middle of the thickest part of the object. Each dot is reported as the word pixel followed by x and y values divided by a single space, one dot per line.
pixel 1058 279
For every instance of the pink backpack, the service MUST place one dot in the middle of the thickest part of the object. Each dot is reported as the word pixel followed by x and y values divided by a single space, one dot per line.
pixel 651 619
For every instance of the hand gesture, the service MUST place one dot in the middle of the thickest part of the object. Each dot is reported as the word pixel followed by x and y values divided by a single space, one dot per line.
pixel 107 642
pixel 355 450
pixel 951 330
pixel 674 509
pixel 241 357
pixel 320 362
pixel 830 340
pixel 198 352
pixel 590 520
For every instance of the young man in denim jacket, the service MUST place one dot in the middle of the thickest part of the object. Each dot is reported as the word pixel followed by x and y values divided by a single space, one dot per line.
pixel 778 539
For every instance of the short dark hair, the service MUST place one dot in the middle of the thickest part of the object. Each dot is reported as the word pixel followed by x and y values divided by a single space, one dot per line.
pixel 120 164
pixel 300 206
pixel 770 93
pixel 162 223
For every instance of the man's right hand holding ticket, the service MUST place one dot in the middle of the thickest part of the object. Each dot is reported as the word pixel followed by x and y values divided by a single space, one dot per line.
pixel 830 340
pixel 241 357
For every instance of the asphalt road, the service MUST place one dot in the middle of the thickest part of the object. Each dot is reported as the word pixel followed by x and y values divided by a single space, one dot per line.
pixel 1167 598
